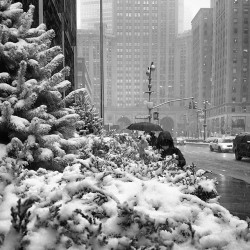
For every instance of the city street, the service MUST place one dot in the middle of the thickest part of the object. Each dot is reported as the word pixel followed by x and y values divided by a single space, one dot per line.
pixel 233 176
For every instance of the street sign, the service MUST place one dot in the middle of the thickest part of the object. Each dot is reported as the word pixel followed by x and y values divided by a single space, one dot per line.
pixel 141 116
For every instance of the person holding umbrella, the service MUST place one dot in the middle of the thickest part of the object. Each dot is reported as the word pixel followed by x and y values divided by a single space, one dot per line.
pixel 152 139
pixel 165 145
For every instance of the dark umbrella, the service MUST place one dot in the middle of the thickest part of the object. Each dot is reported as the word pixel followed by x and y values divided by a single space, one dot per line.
pixel 145 126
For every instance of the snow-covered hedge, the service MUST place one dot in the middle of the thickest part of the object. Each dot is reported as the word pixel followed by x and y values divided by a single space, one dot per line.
pixel 110 199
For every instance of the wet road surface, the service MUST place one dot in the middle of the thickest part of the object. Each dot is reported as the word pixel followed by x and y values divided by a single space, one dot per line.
pixel 233 177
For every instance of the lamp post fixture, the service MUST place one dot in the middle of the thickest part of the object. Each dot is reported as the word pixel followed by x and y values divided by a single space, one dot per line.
pixel 101 64
pixel 150 104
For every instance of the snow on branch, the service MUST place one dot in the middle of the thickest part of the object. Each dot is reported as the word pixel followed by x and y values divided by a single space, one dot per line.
pixel 41 29
pixel 26 21
pixel 59 76
pixel 4 77
pixel 50 53
pixel 19 124
pixel 6 88
pixel 53 64
pixel 27 103
pixel 63 86
pixel 77 94
pixel 43 38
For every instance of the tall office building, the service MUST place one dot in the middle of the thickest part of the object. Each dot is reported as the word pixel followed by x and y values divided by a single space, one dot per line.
pixel 202 33
pixel 183 67
pixel 230 108
pixel 59 15
pixel 89 52
pixel 88 12
pixel 145 32
pixel 181 16
pixel 212 3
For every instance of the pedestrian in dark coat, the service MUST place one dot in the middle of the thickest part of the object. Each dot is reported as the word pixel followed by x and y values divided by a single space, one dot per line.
pixel 152 140
pixel 165 144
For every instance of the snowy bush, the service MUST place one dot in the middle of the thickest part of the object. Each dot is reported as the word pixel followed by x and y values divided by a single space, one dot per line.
pixel 34 118
pixel 101 203
pixel 89 191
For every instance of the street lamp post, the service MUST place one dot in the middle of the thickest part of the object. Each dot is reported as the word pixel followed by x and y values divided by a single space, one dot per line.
pixel 148 73
pixel 205 102
pixel 101 64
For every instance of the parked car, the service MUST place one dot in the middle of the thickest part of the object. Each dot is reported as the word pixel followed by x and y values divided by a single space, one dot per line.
pixel 241 146
pixel 221 145
pixel 180 141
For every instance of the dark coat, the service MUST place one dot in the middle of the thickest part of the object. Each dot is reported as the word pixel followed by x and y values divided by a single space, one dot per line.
pixel 166 138
pixel 152 140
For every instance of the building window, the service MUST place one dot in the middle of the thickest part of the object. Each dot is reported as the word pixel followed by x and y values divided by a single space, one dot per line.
pixel 235 20
pixel 233 109
pixel 245 10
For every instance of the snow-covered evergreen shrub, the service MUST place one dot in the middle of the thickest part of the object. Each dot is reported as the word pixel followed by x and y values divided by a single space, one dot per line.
pixel 89 122
pixel 33 111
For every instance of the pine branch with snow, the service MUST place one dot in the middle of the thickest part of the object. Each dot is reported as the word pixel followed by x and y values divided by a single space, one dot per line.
pixel 33 87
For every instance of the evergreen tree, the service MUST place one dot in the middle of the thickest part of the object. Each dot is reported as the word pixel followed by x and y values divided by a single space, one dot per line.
pixel 90 122
pixel 34 119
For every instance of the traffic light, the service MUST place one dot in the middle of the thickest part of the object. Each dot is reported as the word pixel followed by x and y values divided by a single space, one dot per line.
pixel 190 105
pixel 194 105
pixel 156 115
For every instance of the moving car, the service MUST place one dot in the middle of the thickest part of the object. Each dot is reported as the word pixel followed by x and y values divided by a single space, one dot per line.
pixel 241 146
pixel 221 145
pixel 180 141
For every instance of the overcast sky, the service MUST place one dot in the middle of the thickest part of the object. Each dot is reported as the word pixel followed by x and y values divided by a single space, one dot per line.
pixel 191 7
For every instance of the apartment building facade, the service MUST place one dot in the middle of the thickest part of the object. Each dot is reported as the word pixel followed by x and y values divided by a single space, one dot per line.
pixel 230 101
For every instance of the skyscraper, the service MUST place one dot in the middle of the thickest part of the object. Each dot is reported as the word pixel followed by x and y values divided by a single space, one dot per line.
pixel 145 32
pixel 230 107
pixel 202 33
